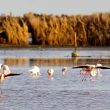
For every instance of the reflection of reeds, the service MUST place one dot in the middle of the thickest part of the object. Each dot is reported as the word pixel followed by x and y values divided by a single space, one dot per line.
pixel 16 61
pixel 52 62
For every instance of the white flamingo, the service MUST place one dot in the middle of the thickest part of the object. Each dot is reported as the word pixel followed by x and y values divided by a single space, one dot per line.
pixel 50 72
pixel 35 71
pixel 64 71
pixel 4 71
pixel 91 70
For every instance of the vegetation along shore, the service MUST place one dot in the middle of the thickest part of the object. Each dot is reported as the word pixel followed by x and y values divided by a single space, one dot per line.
pixel 52 30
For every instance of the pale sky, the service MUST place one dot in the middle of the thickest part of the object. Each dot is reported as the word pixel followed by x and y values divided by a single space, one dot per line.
pixel 68 7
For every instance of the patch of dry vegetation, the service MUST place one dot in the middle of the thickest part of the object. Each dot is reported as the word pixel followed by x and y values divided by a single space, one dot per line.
pixel 83 31
pixel 15 31
pixel 93 30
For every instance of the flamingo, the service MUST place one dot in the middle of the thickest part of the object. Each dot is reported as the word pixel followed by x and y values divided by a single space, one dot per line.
pixel 50 72
pixel 91 70
pixel 35 71
pixel 64 71
pixel 5 72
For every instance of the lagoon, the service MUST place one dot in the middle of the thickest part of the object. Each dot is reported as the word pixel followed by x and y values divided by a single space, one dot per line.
pixel 26 92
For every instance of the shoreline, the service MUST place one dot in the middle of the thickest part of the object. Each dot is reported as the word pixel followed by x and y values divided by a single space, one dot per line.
pixel 52 47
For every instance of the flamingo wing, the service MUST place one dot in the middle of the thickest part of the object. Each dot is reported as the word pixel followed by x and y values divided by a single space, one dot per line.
pixel 81 66
pixel 13 74
pixel 103 67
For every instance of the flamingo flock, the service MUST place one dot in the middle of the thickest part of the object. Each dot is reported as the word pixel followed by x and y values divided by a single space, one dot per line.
pixel 35 71
pixel 87 71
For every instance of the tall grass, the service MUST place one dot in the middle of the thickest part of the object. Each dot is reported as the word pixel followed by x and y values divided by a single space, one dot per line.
pixel 15 31
pixel 91 30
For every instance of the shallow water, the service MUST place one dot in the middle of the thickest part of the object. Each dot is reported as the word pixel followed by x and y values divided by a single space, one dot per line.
pixel 25 92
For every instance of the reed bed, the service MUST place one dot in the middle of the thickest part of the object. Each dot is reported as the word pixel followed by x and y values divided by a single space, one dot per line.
pixel 92 30
pixel 51 30
pixel 15 31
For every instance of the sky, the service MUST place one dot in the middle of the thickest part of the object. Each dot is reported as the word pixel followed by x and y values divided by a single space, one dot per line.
pixel 55 7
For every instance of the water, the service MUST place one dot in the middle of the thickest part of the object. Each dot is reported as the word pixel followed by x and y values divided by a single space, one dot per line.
pixel 25 92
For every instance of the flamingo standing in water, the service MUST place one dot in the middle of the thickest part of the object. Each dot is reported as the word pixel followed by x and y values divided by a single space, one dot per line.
pixel 5 72
pixel 64 71
pixel 50 72
pixel 35 71
pixel 91 70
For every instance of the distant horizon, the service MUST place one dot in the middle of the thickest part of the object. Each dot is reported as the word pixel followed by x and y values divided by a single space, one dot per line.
pixel 83 14
pixel 54 7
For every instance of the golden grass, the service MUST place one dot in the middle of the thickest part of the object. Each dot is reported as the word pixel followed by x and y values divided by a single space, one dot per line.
pixel 76 31
pixel 52 30
pixel 16 31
